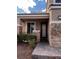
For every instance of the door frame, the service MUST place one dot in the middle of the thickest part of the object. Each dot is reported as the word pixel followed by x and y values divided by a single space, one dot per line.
pixel 44 39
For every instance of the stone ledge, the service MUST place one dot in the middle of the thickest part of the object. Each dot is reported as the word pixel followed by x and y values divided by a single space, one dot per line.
pixel 44 57
pixel 44 51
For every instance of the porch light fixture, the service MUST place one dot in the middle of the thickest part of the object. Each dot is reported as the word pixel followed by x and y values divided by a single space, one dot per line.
pixel 35 31
pixel 19 25
pixel 59 17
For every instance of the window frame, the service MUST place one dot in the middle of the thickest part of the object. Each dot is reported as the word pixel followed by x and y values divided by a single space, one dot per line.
pixel 34 26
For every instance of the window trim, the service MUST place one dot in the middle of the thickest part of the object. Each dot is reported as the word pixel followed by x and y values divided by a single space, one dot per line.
pixel 34 25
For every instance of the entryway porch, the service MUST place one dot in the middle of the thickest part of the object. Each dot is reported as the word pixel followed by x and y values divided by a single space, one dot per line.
pixel 37 27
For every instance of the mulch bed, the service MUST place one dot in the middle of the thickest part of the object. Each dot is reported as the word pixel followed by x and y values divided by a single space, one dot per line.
pixel 24 51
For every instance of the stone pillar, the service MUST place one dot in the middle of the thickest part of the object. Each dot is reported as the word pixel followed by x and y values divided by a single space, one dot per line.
pixel 55 29
pixel 49 29
pixel 56 35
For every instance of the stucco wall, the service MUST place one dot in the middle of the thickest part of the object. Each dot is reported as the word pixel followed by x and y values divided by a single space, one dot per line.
pixel 18 25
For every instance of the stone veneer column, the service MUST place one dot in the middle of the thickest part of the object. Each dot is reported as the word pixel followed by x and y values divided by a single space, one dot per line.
pixel 49 29
pixel 55 29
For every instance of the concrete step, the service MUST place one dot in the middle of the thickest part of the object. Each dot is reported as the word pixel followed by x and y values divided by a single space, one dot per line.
pixel 45 57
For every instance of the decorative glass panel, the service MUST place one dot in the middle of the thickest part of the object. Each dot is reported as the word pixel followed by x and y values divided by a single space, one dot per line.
pixel 44 30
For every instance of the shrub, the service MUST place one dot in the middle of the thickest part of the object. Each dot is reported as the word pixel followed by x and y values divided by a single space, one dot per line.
pixel 30 39
pixel 32 43
pixel 21 37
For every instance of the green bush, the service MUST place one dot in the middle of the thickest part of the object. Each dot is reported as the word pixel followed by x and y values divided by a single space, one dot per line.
pixel 21 37
pixel 30 39
pixel 32 43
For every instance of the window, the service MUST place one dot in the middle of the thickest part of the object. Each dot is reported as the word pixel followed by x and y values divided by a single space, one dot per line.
pixel 30 27
pixel 57 1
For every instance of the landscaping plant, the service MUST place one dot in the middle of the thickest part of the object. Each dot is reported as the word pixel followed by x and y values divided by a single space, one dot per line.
pixel 27 38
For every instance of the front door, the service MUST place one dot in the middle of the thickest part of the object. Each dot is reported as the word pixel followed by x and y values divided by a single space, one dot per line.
pixel 44 32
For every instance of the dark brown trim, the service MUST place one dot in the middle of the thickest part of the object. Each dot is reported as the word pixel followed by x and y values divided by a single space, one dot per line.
pixel 33 14
pixel 44 39
pixel 54 5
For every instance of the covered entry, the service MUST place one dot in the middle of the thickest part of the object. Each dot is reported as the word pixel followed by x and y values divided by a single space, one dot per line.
pixel 35 22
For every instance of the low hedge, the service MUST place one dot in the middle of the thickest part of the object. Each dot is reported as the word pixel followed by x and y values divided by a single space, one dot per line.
pixel 27 38
pixel 21 37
